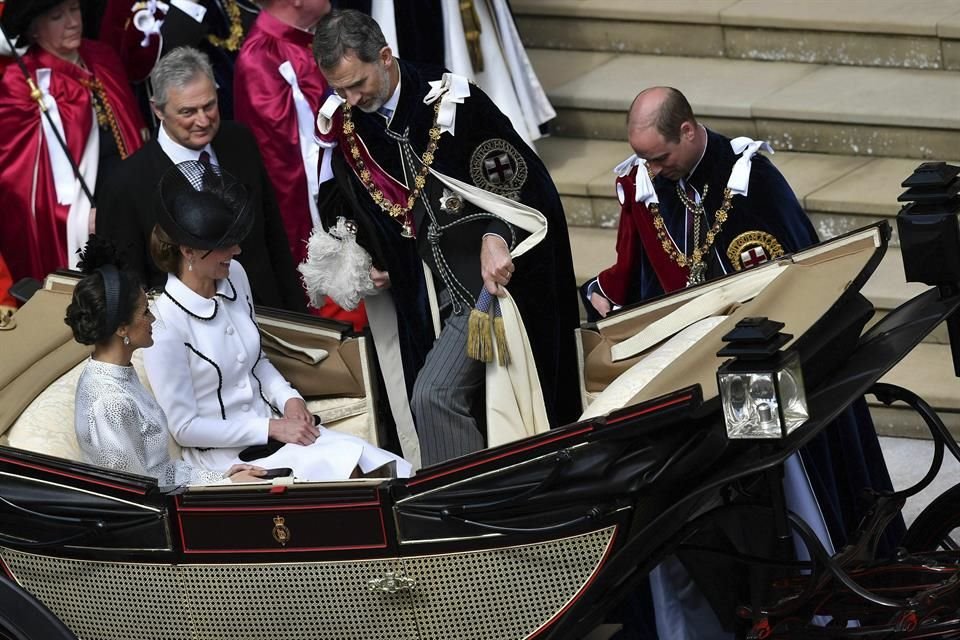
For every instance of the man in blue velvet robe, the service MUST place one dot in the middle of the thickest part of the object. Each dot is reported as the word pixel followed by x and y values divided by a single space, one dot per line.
pixel 691 167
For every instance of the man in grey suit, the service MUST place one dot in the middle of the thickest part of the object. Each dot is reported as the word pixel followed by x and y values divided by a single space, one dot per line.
pixel 185 103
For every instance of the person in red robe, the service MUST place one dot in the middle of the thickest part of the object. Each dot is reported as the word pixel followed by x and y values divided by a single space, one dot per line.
pixel 7 302
pixel 47 211
pixel 278 89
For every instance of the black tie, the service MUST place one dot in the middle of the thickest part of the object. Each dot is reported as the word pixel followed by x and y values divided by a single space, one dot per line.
pixel 209 175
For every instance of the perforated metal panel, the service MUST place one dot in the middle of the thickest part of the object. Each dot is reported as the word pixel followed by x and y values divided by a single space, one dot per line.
pixel 311 601
pixel 495 594
pixel 505 593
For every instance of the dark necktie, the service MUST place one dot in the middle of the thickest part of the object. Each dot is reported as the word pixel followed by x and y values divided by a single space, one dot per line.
pixel 209 175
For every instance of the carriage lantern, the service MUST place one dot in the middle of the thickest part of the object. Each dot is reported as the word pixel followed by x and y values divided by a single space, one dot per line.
pixel 761 387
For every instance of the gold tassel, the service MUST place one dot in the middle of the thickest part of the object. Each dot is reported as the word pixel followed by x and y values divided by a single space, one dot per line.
pixel 471 32
pixel 479 340
pixel 500 334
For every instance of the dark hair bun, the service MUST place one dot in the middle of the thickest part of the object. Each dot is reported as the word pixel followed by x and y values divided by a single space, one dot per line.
pixel 83 317
pixel 87 314
pixel 98 252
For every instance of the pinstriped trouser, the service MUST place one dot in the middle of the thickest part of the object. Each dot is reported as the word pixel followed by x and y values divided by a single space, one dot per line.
pixel 445 389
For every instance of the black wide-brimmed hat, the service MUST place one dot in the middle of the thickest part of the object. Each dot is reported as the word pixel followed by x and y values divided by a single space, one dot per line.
pixel 203 207
pixel 18 14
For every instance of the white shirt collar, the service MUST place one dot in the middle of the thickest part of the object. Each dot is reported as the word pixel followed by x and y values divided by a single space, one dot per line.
pixel 391 104
pixel 179 153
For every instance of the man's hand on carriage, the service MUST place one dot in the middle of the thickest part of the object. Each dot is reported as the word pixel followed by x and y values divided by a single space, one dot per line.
pixel 600 303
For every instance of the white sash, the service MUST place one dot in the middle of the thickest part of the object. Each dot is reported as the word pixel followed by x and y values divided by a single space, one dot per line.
pixel 309 145
pixel 66 184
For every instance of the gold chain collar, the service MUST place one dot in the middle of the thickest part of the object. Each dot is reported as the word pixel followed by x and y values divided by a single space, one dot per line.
pixel 696 261
pixel 395 210
pixel 233 41
pixel 104 111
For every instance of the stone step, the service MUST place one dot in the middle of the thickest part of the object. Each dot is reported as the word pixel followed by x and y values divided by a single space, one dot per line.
pixel 900 113
pixel 921 34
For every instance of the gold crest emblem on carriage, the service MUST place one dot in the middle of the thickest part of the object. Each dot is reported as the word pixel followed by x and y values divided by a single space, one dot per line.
pixel 281 533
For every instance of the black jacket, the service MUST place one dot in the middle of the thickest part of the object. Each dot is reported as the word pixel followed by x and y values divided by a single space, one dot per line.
pixel 126 215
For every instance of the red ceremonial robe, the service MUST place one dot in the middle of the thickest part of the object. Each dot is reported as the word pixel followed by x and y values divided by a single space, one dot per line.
pixel 637 236
pixel 6 281
pixel 264 101
pixel 33 237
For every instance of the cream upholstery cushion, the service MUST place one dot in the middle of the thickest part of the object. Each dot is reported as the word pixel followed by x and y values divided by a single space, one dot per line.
pixel 47 424
pixel 621 392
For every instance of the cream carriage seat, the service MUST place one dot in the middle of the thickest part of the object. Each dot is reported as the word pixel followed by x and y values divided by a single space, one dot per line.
pixel 47 424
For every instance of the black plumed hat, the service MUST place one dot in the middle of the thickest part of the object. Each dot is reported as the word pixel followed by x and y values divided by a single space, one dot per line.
pixel 203 207
pixel 18 14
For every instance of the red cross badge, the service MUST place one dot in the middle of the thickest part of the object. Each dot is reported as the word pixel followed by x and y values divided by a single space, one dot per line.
pixel 497 166
pixel 752 248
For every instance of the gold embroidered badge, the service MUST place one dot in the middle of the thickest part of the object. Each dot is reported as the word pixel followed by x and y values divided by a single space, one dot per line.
pixel 497 166
pixel 753 248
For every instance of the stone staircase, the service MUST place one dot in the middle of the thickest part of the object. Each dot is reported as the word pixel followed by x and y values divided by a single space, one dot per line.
pixel 853 95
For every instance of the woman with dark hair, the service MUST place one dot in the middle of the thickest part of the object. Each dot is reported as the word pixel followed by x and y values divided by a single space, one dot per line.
pixel 93 124
pixel 119 424
pixel 223 399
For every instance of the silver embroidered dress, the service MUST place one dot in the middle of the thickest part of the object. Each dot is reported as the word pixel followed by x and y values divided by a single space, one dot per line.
pixel 120 426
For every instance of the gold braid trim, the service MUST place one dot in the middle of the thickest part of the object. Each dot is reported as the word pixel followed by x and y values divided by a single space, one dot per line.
pixel 105 114
pixel 471 33
pixel 233 41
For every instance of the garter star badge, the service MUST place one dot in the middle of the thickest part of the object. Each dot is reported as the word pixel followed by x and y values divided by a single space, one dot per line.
pixel 497 166
pixel 753 248
pixel 451 202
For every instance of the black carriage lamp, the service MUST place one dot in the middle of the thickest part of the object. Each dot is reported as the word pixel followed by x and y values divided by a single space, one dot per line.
pixel 929 229
pixel 761 387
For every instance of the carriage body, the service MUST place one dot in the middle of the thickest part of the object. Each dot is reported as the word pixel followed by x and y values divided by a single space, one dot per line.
pixel 534 539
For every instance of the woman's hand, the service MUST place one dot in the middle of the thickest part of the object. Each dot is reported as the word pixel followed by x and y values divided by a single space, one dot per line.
pixel 244 473
pixel 296 409
pixel 293 431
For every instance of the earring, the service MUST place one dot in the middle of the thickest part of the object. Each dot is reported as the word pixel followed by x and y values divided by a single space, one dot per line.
pixel 190 266
pixel 126 341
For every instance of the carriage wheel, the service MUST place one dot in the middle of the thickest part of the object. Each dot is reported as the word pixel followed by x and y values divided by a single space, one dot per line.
pixel 938 525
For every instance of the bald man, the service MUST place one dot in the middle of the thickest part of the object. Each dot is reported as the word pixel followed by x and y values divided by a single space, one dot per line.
pixel 757 220
pixel 695 181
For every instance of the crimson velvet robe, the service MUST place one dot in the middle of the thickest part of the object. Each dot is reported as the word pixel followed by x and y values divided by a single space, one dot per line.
pixel 263 100
pixel 33 237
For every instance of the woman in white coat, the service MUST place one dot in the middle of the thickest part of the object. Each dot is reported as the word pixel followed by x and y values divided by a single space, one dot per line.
pixel 219 392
